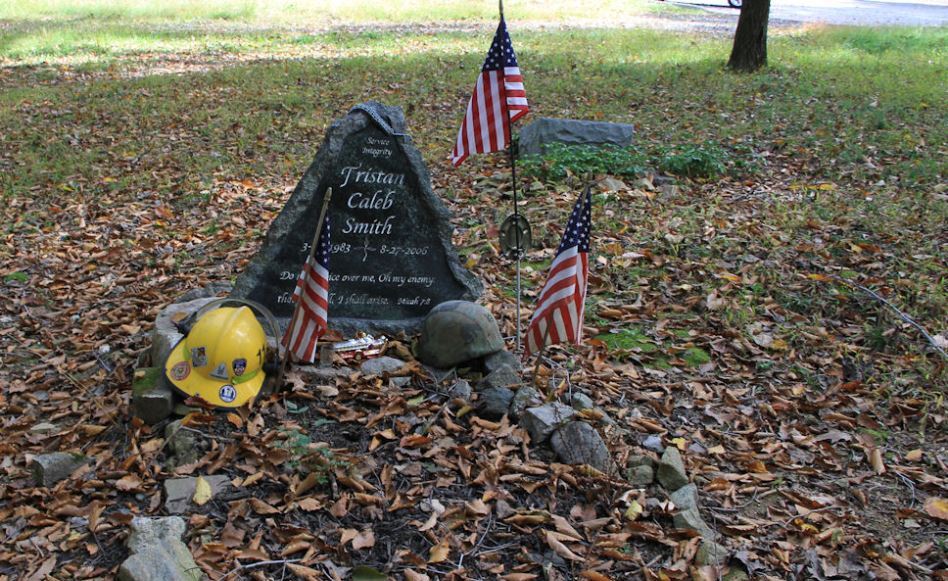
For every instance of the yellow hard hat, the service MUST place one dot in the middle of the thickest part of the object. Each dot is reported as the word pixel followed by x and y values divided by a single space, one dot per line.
pixel 221 359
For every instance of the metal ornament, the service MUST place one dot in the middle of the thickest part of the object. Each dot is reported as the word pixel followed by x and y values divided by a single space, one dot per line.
pixel 508 236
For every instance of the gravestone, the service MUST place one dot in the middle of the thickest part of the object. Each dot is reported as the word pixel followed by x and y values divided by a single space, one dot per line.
pixel 391 259
pixel 536 136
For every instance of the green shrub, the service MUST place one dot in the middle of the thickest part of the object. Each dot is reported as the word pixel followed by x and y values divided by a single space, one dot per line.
pixel 560 160
pixel 706 160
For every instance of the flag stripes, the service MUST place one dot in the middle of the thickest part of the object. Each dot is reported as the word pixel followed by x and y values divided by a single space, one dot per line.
pixel 498 100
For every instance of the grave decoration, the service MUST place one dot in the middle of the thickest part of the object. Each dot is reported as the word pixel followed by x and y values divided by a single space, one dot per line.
pixel 392 258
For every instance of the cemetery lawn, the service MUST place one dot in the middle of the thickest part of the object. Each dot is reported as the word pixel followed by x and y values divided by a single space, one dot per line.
pixel 145 151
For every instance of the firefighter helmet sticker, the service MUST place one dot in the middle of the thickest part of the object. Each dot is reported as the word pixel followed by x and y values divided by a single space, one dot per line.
pixel 239 366
pixel 227 393
pixel 220 372
pixel 198 356
pixel 180 371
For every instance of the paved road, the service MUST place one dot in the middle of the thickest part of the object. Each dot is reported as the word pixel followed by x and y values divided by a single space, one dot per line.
pixel 848 12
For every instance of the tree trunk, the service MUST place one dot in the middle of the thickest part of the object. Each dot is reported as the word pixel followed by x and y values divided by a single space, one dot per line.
pixel 750 40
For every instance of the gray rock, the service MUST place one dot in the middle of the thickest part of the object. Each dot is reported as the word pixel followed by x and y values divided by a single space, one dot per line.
pixel 641 475
pixel 736 574
pixel 540 422
pixel 494 402
pixel 686 497
pixel 321 375
pixel 711 553
pixel 671 470
pixel 158 553
pixel 611 184
pixel 382 197
pixel 526 397
pixel 380 365
pixel 580 443
pixel 537 135
pixel 461 390
pixel 152 396
pixel 691 519
pixel 503 377
pixel 502 358
pixel 48 469
pixel 180 491
pixel 654 443
pixel 455 332
pixel 165 334
pixel 182 444
pixel 581 401
pixel 641 460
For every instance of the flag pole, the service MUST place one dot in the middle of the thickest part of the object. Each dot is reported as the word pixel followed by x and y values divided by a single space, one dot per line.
pixel 296 308
pixel 513 179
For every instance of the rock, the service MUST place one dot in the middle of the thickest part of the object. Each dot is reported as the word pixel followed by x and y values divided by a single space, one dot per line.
pixel 654 443
pixel 381 365
pixel 503 377
pixel 158 553
pixel 669 190
pixel 321 375
pixel 641 460
pixel 166 334
pixel 691 519
pixel 499 359
pixel 48 469
pixel 686 497
pixel 182 444
pixel 662 180
pixel 461 390
pixel 641 475
pixel 526 397
pixel 391 232
pixel 711 553
pixel 735 574
pixel 611 184
pixel 540 422
pixel 494 402
pixel 581 401
pixel 671 470
pixel 458 331
pixel 152 396
pixel 580 443
pixel 536 136
pixel 180 491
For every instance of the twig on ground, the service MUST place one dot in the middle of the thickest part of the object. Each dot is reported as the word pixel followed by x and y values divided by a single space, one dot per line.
pixel 903 316
pixel 241 566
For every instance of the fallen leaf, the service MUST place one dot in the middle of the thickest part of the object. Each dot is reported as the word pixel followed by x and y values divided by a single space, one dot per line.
pixel 439 552
pixel 202 491
pixel 364 540
pixel 561 549
pixel 937 507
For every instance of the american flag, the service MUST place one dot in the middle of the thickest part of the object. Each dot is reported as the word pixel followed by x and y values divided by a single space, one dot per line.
pixel 498 93
pixel 559 314
pixel 312 294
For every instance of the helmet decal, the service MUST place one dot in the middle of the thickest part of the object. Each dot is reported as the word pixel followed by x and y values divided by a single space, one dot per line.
pixel 227 393
pixel 198 356
pixel 220 372
pixel 180 371
pixel 239 366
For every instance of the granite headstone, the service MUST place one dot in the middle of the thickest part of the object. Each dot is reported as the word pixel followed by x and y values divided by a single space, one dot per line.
pixel 392 259
pixel 537 135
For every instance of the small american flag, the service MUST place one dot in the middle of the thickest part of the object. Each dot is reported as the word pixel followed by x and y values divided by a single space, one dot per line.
pixel 559 314
pixel 498 93
pixel 312 294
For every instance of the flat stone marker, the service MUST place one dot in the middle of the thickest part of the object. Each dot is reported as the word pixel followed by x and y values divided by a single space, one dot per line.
pixel 536 136
pixel 392 259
